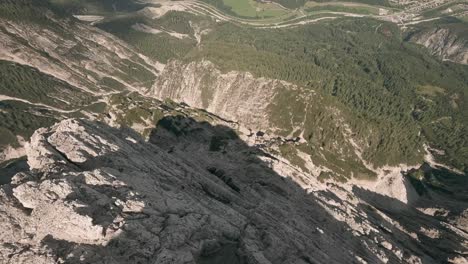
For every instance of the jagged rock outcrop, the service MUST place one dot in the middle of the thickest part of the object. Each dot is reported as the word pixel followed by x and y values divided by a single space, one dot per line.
pixel 443 42
pixel 196 193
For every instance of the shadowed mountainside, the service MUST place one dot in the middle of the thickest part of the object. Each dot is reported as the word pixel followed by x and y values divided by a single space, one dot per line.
pixel 194 193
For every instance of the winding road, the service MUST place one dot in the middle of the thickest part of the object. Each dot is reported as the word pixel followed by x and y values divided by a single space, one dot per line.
pixel 404 17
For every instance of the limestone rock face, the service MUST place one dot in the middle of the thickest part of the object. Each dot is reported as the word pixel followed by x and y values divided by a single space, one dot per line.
pixel 444 43
pixel 233 95
pixel 197 193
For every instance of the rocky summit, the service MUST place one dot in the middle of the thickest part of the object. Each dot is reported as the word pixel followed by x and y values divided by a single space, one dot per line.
pixel 97 194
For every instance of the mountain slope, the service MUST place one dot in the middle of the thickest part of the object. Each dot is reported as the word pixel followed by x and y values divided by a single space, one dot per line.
pixel 263 105
pixel 99 194
pixel 354 65
pixel 53 66
pixel 356 108
pixel 325 137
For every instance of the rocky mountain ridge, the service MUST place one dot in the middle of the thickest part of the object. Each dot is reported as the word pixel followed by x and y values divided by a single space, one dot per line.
pixel 178 199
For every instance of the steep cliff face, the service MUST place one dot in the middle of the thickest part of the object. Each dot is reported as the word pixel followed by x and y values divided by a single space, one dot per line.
pixel 233 95
pixel 445 43
pixel 197 193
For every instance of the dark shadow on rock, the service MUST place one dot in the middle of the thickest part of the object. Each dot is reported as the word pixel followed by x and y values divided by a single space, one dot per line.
pixel 10 168
pixel 443 182
pixel 209 198
pixel 417 227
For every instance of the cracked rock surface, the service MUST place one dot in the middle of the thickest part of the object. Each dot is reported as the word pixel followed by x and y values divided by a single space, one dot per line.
pixel 196 193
